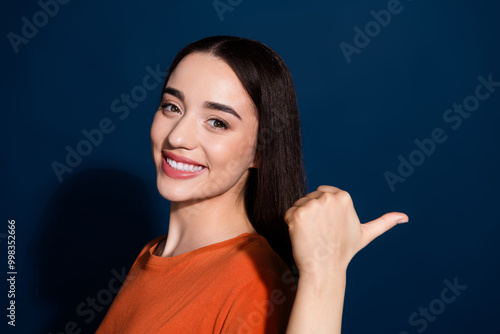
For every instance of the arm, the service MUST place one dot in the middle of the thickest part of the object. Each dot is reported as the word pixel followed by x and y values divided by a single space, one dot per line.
pixel 326 234
pixel 318 305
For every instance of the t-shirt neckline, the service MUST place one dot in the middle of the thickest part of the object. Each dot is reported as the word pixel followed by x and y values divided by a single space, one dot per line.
pixel 157 260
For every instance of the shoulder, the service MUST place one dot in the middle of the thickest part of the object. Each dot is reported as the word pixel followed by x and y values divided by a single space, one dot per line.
pixel 256 272
pixel 253 256
pixel 264 293
pixel 147 250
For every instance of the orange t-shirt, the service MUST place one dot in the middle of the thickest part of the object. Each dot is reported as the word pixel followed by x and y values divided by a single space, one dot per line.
pixel 238 285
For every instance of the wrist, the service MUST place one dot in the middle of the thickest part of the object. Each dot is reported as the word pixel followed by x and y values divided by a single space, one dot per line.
pixel 323 280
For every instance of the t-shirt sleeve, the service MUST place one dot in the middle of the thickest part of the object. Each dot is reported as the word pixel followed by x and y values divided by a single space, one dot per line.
pixel 261 306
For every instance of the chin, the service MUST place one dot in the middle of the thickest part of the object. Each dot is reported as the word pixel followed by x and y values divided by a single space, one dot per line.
pixel 173 193
pixel 182 191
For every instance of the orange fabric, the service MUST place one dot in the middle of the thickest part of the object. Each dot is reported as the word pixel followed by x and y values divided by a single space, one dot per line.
pixel 235 286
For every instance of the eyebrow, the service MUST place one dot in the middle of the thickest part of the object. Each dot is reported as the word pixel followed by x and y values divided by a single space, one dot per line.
pixel 221 107
pixel 208 104
pixel 172 91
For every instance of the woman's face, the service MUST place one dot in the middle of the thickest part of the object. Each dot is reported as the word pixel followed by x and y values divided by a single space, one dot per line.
pixel 203 135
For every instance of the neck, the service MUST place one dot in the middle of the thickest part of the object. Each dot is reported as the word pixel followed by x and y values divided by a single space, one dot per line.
pixel 199 223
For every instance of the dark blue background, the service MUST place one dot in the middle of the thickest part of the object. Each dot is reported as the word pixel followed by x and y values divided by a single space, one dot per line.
pixel 357 118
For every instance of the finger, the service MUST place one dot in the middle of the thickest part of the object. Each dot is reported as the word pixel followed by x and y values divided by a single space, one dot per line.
pixel 312 195
pixel 379 226
pixel 329 189
pixel 303 200
pixel 289 214
pixel 300 202
pixel 320 190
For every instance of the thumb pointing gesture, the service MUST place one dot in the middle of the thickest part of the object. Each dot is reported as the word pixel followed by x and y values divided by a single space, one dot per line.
pixel 325 230
pixel 379 226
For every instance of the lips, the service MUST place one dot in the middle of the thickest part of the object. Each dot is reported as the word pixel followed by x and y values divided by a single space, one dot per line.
pixel 178 158
pixel 178 167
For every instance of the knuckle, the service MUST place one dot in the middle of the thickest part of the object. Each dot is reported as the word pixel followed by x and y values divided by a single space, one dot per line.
pixel 287 217
pixel 312 205
pixel 327 198
pixel 299 214
pixel 325 188
pixel 344 196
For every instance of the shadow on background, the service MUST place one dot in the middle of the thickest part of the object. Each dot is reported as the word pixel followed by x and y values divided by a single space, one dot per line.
pixel 93 228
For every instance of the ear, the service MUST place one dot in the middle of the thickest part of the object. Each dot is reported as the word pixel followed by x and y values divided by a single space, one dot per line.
pixel 255 162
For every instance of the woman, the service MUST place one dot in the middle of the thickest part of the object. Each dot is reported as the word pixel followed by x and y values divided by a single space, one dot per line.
pixel 227 150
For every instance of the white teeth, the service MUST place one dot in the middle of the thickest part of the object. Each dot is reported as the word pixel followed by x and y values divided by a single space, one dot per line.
pixel 183 166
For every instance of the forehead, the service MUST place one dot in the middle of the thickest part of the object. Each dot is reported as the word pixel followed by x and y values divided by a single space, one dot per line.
pixel 204 77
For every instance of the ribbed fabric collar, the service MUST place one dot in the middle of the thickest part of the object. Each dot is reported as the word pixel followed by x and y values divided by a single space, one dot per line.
pixel 156 260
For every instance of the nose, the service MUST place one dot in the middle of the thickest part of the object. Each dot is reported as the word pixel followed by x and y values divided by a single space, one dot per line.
pixel 184 132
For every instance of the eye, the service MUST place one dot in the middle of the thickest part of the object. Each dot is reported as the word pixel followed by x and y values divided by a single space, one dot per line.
pixel 218 124
pixel 169 107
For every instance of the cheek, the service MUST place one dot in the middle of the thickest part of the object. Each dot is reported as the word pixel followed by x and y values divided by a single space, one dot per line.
pixel 233 155
pixel 158 130
pixel 154 127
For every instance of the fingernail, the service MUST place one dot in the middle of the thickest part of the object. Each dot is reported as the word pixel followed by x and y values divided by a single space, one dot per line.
pixel 402 220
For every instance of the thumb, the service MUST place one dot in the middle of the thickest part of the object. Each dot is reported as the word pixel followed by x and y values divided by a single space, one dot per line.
pixel 377 227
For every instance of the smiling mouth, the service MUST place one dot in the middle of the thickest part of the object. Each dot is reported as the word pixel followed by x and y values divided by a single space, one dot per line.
pixel 184 167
